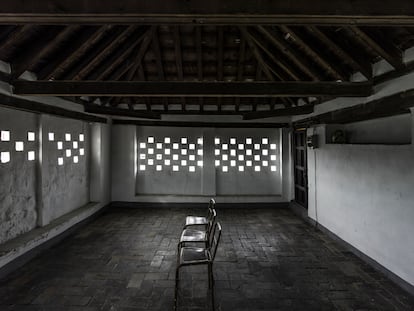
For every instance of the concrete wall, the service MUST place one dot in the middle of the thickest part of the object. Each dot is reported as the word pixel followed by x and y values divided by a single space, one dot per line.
pixel 364 193
pixel 126 187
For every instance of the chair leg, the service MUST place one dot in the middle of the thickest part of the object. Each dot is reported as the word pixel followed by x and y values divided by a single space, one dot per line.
pixel 210 274
pixel 177 279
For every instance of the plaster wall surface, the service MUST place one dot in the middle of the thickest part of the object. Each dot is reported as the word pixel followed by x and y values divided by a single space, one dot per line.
pixel 64 187
pixel 18 212
pixel 124 167
pixel 364 194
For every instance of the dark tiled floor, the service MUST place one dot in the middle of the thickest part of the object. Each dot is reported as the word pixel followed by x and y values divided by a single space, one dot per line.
pixel 268 260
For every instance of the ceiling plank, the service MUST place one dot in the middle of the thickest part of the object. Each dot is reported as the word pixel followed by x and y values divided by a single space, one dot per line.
pixel 357 65
pixel 105 52
pixel 291 111
pixel 192 89
pixel 314 54
pixel 392 55
pixel 289 52
pixel 202 12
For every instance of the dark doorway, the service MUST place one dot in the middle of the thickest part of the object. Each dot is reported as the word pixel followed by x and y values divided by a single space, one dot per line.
pixel 300 167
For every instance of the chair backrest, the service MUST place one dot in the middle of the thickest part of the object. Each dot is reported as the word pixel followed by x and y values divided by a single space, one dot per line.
pixel 211 221
pixel 215 240
pixel 212 204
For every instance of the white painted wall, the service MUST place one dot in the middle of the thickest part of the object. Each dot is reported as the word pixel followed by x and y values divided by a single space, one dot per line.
pixel 18 211
pixel 364 194
pixel 123 173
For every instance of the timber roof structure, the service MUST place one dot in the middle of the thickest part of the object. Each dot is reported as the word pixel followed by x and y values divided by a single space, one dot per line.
pixel 196 60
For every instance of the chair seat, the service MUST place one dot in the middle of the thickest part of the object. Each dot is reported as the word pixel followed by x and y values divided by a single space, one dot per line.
pixel 192 254
pixel 195 220
pixel 192 235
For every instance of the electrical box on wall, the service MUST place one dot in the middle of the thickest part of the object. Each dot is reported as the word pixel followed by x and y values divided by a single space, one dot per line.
pixel 312 141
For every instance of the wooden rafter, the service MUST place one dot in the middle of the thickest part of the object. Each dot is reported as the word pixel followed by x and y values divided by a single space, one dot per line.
pixel 106 50
pixel 333 72
pixel 115 61
pixel 357 65
pixel 289 52
pixel 392 55
pixel 41 50
pixel 199 53
pixel 290 73
pixel 268 71
pixel 83 43
pixel 16 36
pixel 179 59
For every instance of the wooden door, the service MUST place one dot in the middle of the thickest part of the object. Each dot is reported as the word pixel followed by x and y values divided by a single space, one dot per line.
pixel 300 167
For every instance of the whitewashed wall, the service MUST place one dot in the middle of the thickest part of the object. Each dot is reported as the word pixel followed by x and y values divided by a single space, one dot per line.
pixel 364 193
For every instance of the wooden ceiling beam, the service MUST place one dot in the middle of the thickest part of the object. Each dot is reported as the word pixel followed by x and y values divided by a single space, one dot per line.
pixel 14 38
pixel 397 12
pixel 192 89
pixel 357 65
pixel 91 108
pixel 291 111
pixel 392 55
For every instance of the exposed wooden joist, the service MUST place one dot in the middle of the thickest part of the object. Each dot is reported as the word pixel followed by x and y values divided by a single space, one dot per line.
pixel 290 73
pixel 199 53
pixel 201 12
pixel 115 60
pixel 78 47
pixel 387 106
pixel 41 50
pixel 16 36
pixel 315 55
pixel 137 60
pixel 32 106
pixel 101 54
pixel 191 89
pixel 179 59
pixel 201 124
pixel 392 55
pixel 278 112
pixel 268 71
pixel 289 52
pixel 358 65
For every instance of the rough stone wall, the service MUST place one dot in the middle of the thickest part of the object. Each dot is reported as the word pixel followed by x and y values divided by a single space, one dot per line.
pixel 17 177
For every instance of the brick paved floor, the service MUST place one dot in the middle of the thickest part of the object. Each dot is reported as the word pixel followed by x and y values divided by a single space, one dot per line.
pixel 268 260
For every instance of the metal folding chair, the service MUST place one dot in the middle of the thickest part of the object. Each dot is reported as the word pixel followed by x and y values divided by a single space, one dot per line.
pixel 201 220
pixel 191 256
pixel 191 235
